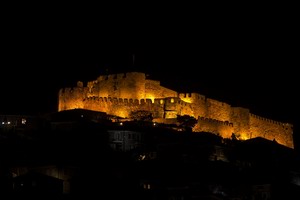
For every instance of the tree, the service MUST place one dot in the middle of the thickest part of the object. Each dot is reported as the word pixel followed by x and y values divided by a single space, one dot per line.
pixel 141 115
pixel 187 122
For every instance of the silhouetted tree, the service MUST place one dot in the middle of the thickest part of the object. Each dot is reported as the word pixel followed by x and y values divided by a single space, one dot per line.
pixel 233 137
pixel 187 122
pixel 141 115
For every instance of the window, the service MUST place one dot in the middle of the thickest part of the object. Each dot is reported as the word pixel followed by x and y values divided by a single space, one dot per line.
pixel 146 186
pixel 118 147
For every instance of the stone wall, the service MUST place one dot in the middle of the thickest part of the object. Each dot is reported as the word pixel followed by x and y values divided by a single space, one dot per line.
pixel 197 102
pixel 240 119
pixel 153 90
pixel 224 129
pixel 128 85
pixel 71 98
pixel 271 130
pixel 218 110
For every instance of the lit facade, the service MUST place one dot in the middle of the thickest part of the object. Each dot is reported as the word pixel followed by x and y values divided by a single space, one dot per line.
pixel 121 94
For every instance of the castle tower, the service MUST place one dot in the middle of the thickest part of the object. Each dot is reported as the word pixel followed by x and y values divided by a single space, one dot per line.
pixel 128 85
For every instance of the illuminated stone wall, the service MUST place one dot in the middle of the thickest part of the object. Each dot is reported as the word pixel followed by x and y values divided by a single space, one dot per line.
pixel 271 130
pixel 240 120
pixel 121 94
pixel 197 103
pixel 123 107
pixel 153 90
pixel 133 85
pixel 224 129
pixel 127 85
pixel 71 98
pixel 218 110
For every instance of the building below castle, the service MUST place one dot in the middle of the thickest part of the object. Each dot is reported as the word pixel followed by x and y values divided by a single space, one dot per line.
pixel 124 93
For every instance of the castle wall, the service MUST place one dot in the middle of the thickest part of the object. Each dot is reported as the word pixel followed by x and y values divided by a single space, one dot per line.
pixel 174 106
pixel 224 129
pixel 184 108
pixel 123 107
pixel 93 88
pixel 153 90
pixel 127 85
pixel 171 107
pixel 270 129
pixel 240 119
pixel 197 104
pixel 218 110
pixel 192 97
pixel 71 98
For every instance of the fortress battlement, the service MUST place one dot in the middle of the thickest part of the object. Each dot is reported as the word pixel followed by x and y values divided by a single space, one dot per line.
pixel 159 101
pixel 70 90
pixel 225 123
pixel 152 82
pixel 119 76
pixel 271 121
pixel 191 97
pixel 120 101
pixel 216 102
pixel 124 93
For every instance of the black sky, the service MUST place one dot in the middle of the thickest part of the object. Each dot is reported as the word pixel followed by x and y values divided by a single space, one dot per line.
pixel 246 59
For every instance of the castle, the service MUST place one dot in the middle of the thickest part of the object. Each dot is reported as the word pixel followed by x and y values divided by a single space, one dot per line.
pixel 121 94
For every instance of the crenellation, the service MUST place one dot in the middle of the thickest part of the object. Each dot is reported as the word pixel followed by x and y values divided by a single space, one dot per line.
pixel 67 90
pixel 158 102
pixel 272 130
pixel 80 84
pixel 192 97
pixel 136 102
pixel 121 76
pixel 115 100
pixel 224 129
pixel 267 120
pixel 149 101
pixel 121 94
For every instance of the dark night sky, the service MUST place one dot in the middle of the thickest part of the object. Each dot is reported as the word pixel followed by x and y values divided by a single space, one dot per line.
pixel 245 59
